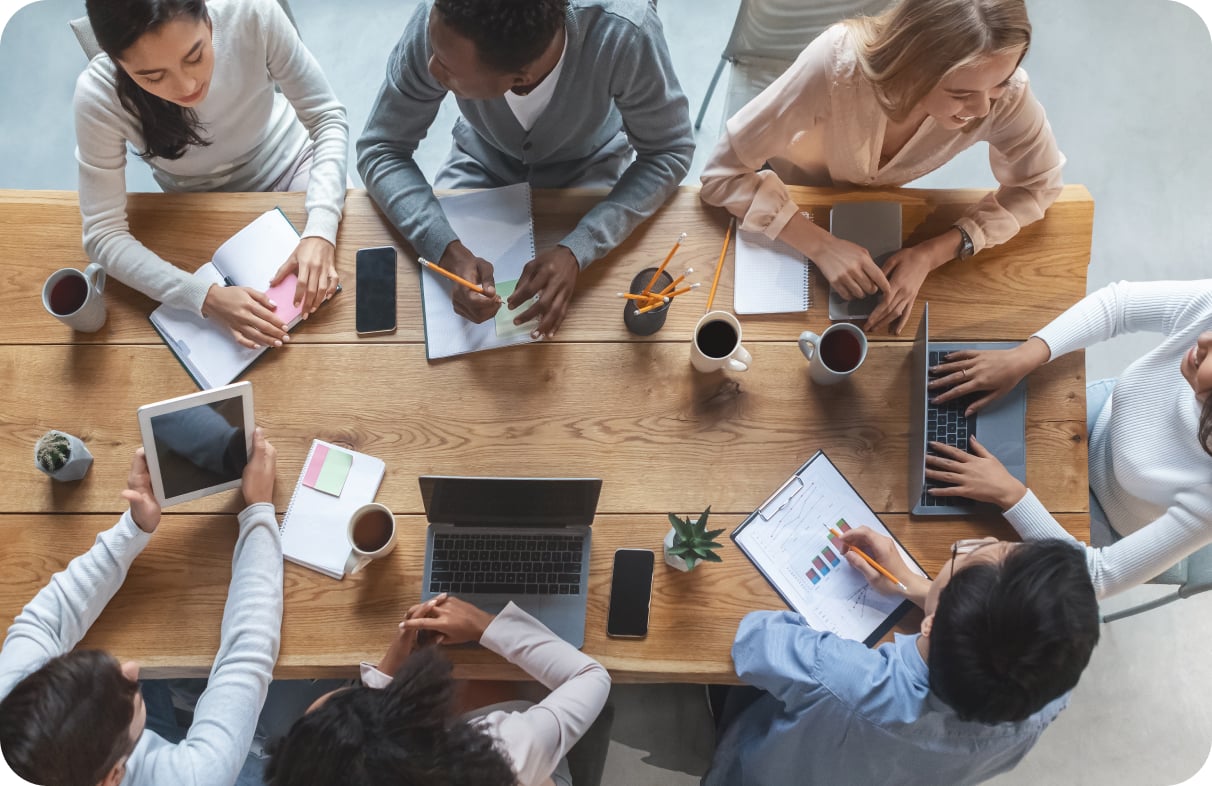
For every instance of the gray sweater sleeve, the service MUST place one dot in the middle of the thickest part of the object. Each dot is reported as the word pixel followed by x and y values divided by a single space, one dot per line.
pixel 225 719
pixel 59 615
pixel 407 104
pixel 656 119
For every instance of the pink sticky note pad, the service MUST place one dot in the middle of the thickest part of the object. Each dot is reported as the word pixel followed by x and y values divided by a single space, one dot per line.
pixel 284 295
pixel 313 468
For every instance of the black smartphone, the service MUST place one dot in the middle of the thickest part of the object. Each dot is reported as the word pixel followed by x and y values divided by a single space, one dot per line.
pixel 376 291
pixel 630 593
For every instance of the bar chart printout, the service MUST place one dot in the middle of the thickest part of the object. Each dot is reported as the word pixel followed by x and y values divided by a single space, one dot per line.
pixel 789 540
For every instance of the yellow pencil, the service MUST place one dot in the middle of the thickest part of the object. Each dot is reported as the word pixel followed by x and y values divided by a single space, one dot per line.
pixel 695 285
pixel 720 265
pixel 661 269
pixel 444 272
pixel 883 571
pixel 646 298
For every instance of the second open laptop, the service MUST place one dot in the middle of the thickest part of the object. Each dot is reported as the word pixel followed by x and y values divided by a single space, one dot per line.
pixel 1001 426
pixel 493 540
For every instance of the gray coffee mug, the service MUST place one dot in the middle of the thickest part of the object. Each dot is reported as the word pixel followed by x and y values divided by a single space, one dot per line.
pixel 75 298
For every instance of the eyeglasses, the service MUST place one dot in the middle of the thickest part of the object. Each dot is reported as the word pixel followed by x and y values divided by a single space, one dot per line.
pixel 966 546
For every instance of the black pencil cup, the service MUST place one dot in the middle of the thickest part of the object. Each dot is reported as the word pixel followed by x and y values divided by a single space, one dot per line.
pixel 651 322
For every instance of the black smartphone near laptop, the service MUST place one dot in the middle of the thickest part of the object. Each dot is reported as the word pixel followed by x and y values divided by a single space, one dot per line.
pixel 630 594
pixel 375 302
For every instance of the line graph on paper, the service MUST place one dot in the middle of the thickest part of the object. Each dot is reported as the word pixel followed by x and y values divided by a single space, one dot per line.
pixel 789 540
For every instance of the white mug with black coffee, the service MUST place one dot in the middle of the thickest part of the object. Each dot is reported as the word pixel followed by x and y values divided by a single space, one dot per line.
pixel 835 354
pixel 75 298
pixel 372 535
pixel 717 344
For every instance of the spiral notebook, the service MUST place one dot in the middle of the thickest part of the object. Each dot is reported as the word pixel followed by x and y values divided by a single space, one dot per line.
pixel 334 483
pixel 770 277
pixel 495 224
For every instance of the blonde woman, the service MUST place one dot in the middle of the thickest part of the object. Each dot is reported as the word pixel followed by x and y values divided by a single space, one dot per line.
pixel 881 101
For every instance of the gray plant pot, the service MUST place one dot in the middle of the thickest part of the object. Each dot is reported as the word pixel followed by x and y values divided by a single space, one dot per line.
pixel 77 464
pixel 672 561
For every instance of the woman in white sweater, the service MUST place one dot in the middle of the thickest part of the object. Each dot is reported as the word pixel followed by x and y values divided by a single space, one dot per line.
pixel 400 725
pixel 1149 430
pixel 189 86
pixel 880 101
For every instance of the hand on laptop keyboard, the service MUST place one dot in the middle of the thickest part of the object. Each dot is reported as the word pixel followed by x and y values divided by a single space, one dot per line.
pixel 977 475
pixel 993 372
pixel 451 620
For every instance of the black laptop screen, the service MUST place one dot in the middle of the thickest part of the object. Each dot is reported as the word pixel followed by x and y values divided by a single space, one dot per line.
pixel 528 502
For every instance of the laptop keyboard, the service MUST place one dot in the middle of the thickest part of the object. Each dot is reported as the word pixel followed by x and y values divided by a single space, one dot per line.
pixel 537 564
pixel 946 423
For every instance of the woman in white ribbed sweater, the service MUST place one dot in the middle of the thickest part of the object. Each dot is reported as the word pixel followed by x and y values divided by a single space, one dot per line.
pixel 189 86
pixel 1150 458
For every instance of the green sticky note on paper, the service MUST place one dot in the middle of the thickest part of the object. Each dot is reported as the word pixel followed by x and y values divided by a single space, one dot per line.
pixel 334 472
pixel 505 317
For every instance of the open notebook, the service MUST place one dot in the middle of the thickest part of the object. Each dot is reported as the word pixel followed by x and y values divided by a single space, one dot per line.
pixel 770 277
pixel 250 258
pixel 495 224
pixel 334 483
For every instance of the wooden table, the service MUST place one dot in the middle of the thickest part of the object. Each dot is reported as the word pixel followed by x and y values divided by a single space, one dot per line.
pixel 594 402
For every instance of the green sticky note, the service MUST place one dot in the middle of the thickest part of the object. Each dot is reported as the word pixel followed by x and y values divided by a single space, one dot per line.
pixel 334 472
pixel 505 317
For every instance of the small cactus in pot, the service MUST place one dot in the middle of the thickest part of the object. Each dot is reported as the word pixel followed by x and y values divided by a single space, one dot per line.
pixel 689 543
pixel 62 456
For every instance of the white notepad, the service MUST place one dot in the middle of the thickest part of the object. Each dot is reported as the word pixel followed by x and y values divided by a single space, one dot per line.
pixel 770 277
pixel 314 529
pixel 495 224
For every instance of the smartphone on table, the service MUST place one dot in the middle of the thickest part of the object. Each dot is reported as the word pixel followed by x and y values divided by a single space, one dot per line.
pixel 376 291
pixel 630 594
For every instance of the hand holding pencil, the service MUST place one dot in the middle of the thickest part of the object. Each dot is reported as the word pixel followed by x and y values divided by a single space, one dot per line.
pixel 876 557
pixel 474 295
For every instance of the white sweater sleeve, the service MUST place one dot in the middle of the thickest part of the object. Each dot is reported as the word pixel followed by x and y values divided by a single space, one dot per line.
pixel 101 154
pixel 59 615
pixel 225 719
pixel 537 739
pixel 1134 559
pixel 1127 307
pixel 296 71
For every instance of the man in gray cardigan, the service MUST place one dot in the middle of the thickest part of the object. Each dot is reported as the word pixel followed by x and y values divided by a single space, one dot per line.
pixel 556 93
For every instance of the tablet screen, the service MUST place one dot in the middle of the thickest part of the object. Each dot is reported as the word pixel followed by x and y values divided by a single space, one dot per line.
pixel 200 447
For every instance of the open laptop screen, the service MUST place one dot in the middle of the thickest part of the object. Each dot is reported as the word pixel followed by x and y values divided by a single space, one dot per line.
pixel 494 502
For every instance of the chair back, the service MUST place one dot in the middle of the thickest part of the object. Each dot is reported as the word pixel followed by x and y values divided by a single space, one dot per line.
pixel 780 29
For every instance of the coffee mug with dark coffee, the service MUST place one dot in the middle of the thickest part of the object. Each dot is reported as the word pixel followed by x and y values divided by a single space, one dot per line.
pixel 716 344
pixel 372 535
pixel 75 298
pixel 835 354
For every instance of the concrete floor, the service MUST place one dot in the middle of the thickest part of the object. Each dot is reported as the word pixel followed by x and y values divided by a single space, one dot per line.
pixel 1126 86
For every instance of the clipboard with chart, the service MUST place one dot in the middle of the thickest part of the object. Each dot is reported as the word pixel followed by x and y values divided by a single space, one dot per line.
pixel 788 540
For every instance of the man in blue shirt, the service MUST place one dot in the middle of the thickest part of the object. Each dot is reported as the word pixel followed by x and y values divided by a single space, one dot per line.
pixel 1008 629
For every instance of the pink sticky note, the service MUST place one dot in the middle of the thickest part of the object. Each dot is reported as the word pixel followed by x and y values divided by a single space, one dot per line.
pixel 315 465
pixel 284 295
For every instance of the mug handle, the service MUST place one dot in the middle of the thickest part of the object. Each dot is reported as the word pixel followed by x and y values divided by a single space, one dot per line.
pixel 741 360
pixel 808 342
pixel 95 274
pixel 355 564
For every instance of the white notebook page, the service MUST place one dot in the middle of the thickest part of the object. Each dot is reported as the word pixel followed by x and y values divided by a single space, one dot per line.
pixel 770 277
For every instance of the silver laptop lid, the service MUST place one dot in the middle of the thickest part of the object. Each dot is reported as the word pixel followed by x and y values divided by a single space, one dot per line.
pixel 917 409
pixel 521 502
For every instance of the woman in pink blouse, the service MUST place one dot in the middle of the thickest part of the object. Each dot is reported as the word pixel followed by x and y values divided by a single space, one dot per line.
pixel 881 101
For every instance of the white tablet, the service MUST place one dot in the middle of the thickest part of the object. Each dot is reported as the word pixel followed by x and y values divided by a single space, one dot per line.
pixel 198 444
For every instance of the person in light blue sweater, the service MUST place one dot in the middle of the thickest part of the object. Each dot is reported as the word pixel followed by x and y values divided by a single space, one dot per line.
pixel 76 717
pixel 555 93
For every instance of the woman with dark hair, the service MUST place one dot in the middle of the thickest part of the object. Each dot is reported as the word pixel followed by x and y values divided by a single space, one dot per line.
pixel 189 86
pixel 1150 458
pixel 403 731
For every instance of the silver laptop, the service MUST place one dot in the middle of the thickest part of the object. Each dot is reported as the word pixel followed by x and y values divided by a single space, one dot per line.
pixel 493 540
pixel 876 226
pixel 1001 426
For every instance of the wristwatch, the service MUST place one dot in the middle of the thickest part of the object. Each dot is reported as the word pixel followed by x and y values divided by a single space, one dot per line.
pixel 966 249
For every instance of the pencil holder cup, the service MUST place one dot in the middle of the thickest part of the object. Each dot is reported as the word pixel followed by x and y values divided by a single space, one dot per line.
pixel 648 323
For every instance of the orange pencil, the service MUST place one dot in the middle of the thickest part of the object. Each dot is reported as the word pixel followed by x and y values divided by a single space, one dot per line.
pixel 873 563
pixel 444 272
pixel 695 285
pixel 720 265
pixel 648 308
pixel 661 269
pixel 674 284
pixel 646 298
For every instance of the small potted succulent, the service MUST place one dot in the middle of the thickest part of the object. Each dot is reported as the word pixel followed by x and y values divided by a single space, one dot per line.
pixel 689 543
pixel 62 456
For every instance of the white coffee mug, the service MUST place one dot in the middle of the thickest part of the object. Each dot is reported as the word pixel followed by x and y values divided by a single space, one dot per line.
pixel 835 354
pixel 720 345
pixel 75 298
pixel 362 555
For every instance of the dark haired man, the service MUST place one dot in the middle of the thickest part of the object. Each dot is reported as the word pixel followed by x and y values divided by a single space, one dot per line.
pixel 556 93
pixel 1009 627
pixel 76 717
